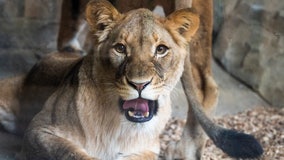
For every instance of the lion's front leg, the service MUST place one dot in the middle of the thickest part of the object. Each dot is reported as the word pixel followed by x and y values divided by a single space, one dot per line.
pixel 191 145
pixel 147 155
pixel 44 144
pixel 188 148
pixel 193 139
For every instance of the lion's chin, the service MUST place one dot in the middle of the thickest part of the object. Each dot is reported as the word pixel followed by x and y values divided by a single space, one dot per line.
pixel 139 110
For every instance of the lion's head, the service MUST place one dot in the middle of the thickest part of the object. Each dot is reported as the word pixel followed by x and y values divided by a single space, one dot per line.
pixel 140 53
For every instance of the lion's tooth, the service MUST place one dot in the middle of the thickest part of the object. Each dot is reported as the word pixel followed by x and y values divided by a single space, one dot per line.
pixel 146 114
pixel 131 114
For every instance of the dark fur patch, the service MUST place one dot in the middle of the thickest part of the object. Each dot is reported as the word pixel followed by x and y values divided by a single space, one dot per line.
pixel 238 145
pixel 75 9
pixel 72 76
pixel 101 26
pixel 121 69
pixel 159 69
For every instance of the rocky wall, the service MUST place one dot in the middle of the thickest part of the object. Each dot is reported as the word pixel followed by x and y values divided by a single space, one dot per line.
pixel 249 43
pixel 28 30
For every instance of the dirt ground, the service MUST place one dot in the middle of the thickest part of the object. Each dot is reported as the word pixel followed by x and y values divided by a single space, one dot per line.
pixel 266 124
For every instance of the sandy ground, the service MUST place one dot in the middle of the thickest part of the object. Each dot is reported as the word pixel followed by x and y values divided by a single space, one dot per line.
pixel 265 124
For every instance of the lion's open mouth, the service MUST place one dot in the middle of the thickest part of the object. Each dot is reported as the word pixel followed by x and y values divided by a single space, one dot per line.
pixel 139 110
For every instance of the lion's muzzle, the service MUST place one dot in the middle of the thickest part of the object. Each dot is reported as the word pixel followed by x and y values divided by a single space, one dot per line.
pixel 139 110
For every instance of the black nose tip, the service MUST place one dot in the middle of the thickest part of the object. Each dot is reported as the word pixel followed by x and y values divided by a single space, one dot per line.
pixel 138 86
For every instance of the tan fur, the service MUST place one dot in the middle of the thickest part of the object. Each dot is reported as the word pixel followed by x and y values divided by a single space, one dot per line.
pixel 9 103
pixel 21 90
pixel 22 96
pixel 82 118
pixel 198 66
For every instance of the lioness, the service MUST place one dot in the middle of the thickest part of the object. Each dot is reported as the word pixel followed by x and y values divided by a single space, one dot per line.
pixel 116 101
pixel 197 64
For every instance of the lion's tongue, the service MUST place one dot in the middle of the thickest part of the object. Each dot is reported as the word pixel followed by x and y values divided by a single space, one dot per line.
pixel 139 104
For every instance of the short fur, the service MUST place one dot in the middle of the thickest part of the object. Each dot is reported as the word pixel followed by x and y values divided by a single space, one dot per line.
pixel 82 119
pixel 23 96
pixel 197 80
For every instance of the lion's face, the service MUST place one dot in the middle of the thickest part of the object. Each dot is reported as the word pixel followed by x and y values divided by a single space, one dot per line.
pixel 143 53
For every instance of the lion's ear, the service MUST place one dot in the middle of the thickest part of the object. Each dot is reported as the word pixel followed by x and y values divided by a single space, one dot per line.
pixel 101 17
pixel 183 22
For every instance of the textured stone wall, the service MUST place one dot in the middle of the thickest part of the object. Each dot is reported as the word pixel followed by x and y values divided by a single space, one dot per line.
pixel 249 43
pixel 28 30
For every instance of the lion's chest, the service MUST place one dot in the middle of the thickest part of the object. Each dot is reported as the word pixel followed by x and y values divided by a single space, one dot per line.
pixel 125 140
pixel 109 135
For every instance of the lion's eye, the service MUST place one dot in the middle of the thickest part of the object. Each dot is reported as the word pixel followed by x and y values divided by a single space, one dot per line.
pixel 161 50
pixel 120 48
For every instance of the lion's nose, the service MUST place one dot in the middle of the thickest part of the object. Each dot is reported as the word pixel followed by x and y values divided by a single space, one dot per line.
pixel 138 86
